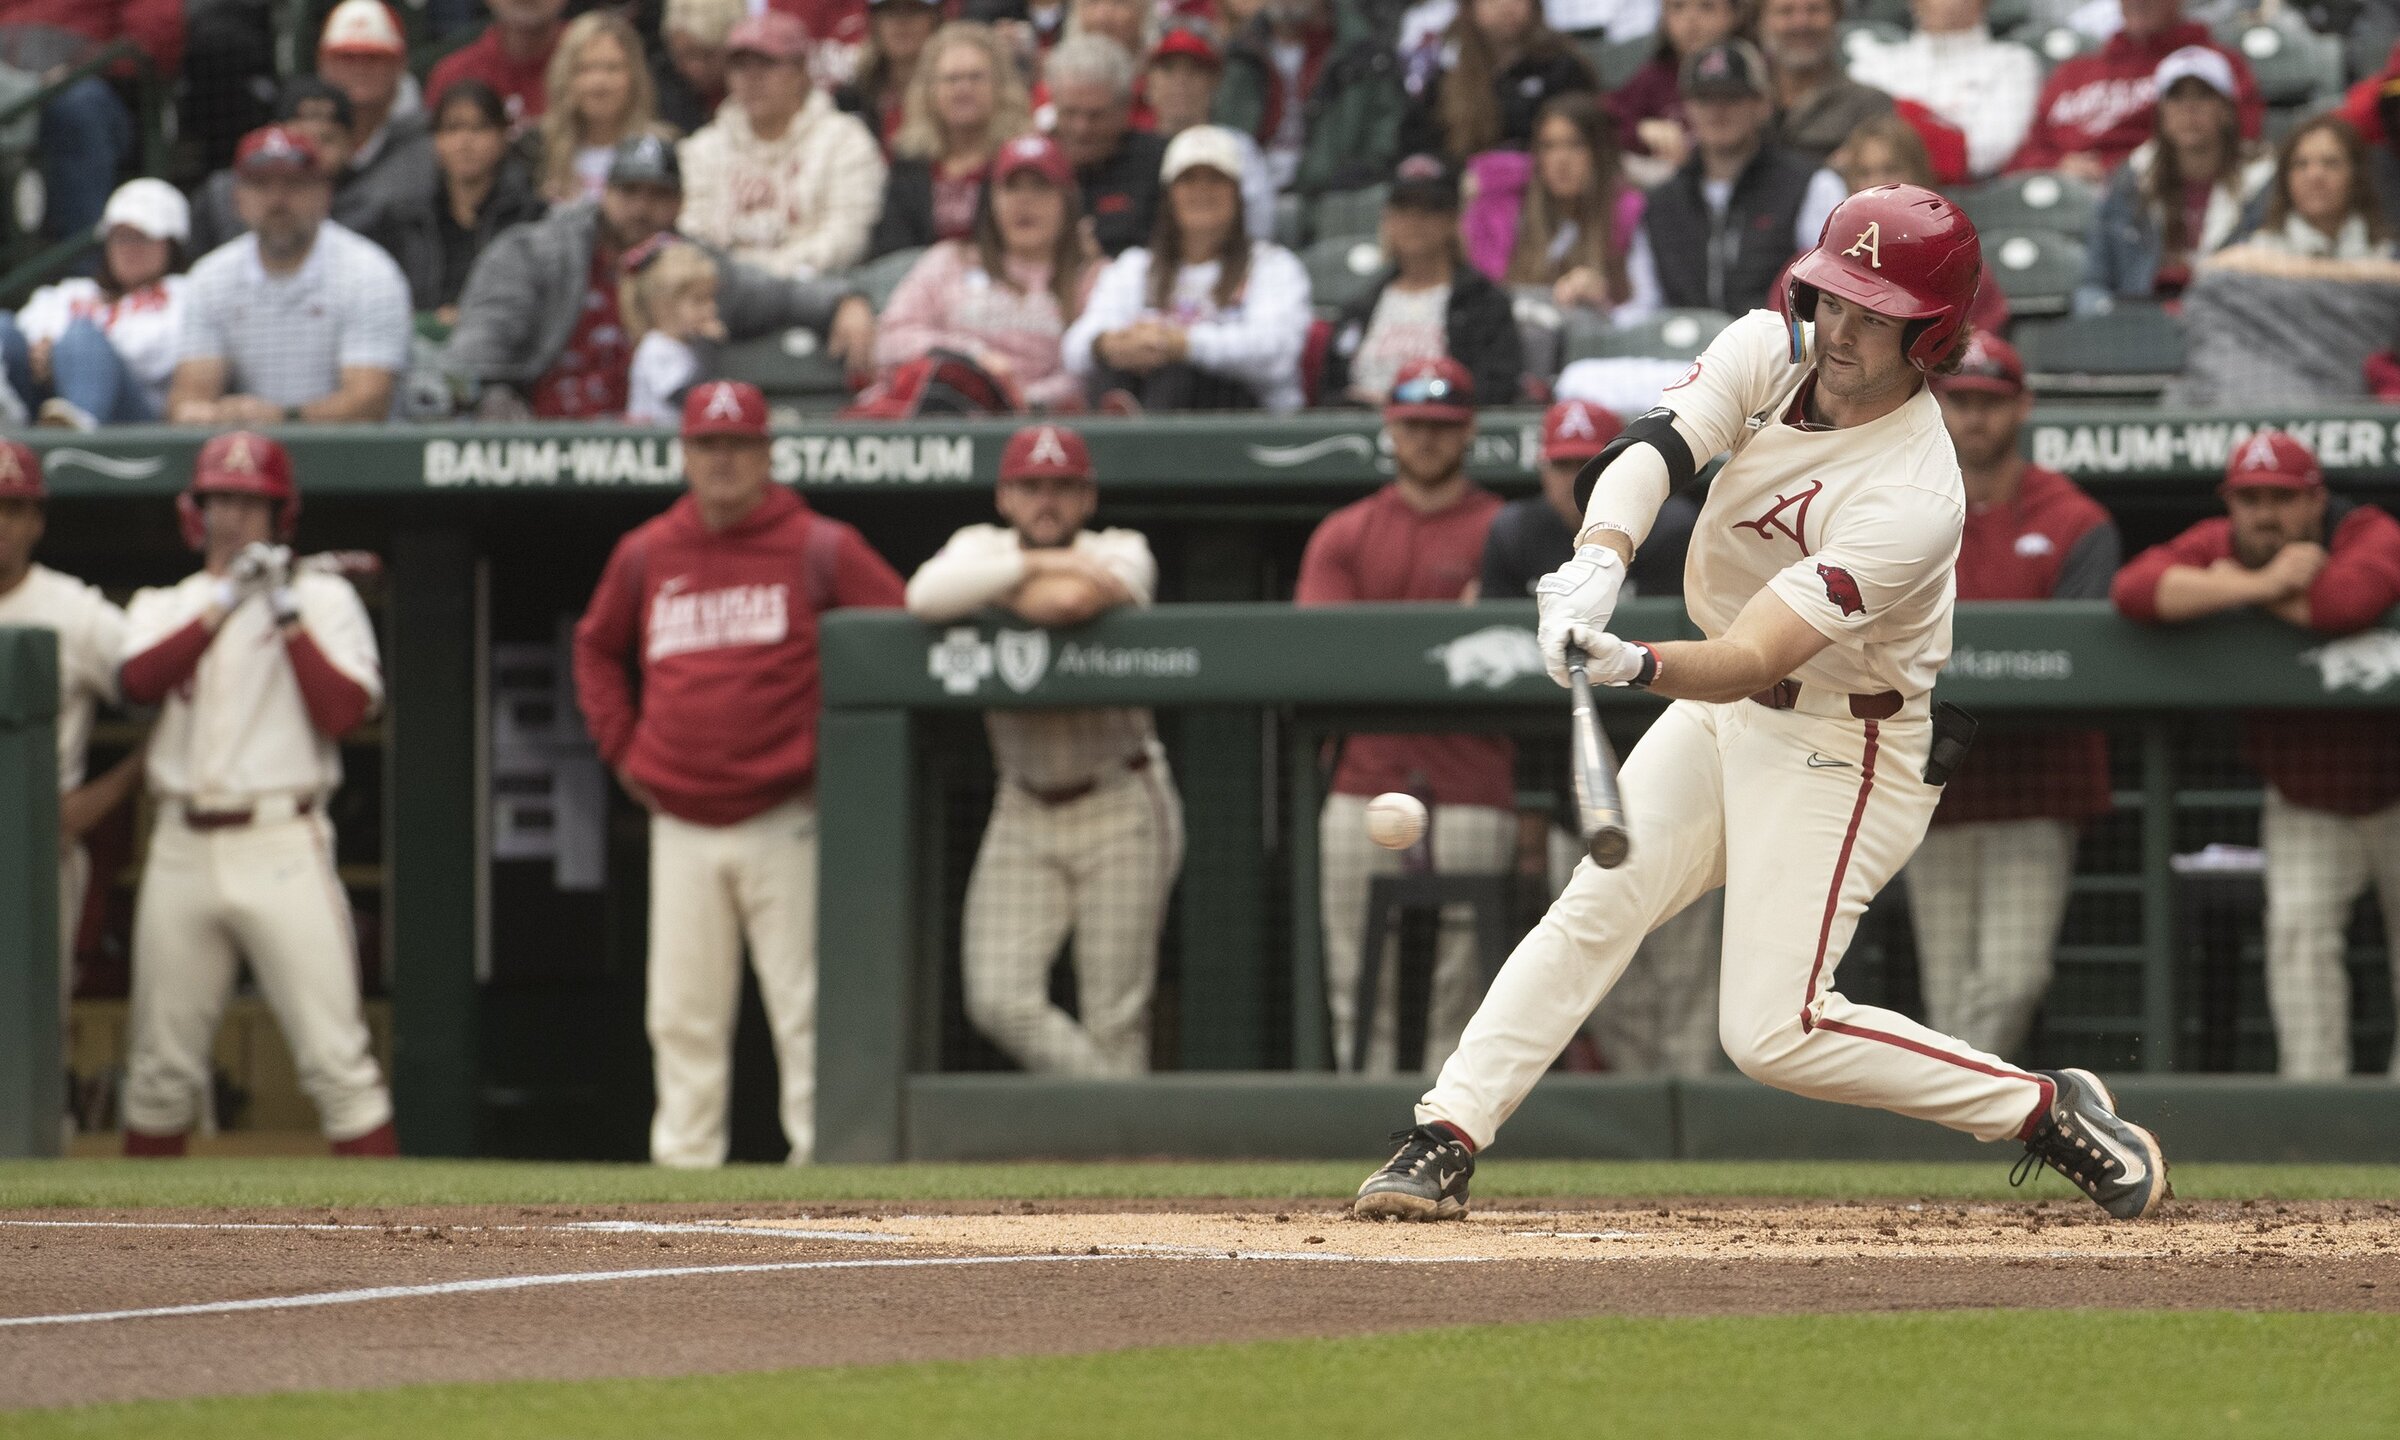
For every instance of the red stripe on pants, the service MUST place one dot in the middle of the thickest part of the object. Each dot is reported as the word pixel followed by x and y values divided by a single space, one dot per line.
pixel 1841 868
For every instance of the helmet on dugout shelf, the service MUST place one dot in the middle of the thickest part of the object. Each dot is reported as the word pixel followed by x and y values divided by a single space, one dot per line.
pixel 240 462
pixel 1898 250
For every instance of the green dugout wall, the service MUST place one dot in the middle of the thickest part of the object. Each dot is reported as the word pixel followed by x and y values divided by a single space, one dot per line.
pixel 31 1096
pixel 461 513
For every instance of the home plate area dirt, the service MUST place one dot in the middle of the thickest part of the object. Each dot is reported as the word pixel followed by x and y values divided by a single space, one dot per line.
pixel 101 1305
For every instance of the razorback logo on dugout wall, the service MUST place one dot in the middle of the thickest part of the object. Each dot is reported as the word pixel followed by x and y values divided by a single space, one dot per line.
pixel 1842 589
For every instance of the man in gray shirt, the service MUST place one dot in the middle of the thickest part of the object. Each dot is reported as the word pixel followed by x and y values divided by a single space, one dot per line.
pixel 299 319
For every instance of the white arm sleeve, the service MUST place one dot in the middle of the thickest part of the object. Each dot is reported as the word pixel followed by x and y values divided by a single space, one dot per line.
pixel 1712 404
pixel 980 564
pixel 1116 302
pixel 1259 342
pixel 1126 555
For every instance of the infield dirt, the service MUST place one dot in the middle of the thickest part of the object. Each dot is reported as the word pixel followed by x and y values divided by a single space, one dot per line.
pixel 1068 1278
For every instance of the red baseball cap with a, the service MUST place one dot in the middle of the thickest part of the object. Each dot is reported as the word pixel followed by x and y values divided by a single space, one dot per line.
pixel 2274 460
pixel 1578 430
pixel 1192 36
pixel 725 407
pixel 20 472
pixel 1436 389
pixel 770 33
pixel 1037 153
pixel 275 147
pixel 1991 364
pixel 1043 451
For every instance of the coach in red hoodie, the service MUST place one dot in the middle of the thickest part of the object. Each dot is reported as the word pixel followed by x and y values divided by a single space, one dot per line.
pixel 2331 821
pixel 716 602
pixel 2098 108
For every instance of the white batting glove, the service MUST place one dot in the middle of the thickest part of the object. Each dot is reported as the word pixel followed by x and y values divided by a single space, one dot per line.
pixel 1576 601
pixel 1616 662
pixel 254 571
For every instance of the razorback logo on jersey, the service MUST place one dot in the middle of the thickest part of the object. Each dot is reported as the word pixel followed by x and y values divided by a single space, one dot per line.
pixel 1842 589
pixel 1794 529
pixel 1688 377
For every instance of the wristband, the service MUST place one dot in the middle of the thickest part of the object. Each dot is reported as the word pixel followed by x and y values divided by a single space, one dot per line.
pixel 1648 675
pixel 285 604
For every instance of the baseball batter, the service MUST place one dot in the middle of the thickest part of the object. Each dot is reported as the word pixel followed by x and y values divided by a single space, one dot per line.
pixel 1798 766
pixel 1086 834
pixel 91 639
pixel 258 669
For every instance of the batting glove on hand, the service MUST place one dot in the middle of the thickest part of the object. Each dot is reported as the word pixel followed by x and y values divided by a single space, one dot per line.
pixel 1576 601
pixel 1617 662
pixel 256 569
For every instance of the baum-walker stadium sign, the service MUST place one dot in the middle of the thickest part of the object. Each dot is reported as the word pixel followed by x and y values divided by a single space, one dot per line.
pixel 641 460
pixel 2202 446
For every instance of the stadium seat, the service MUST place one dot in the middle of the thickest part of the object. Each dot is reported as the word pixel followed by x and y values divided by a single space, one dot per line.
pixel 878 278
pixel 2037 269
pixel 1616 60
pixel 1347 212
pixel 790 366
pixel 1668 335
pixel 2035 200
pixel 2005 16
pixel 2129 352
pixel 2293 67
pixel 1341 269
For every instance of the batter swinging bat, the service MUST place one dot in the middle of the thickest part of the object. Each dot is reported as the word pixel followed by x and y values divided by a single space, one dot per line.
pixel 1599 810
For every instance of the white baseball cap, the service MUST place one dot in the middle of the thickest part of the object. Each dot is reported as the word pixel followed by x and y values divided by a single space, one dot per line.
pixel 1211 145
pixel 2197 62
pixel 153 207
pixel 362 27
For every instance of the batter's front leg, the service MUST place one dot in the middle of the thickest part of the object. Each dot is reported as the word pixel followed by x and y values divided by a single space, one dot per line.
pixel 1560 971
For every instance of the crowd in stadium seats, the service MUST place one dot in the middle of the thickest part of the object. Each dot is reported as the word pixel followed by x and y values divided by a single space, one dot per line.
pixel 2191 166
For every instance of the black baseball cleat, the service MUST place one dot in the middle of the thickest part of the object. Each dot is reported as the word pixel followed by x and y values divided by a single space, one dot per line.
pixel 1426 1180
pixel 2109 1158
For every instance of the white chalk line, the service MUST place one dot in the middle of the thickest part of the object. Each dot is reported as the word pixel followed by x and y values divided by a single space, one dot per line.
pixel 583 1227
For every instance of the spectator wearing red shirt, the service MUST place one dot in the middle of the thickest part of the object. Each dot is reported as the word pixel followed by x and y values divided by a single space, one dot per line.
pixel 510 56
pixel 711 609
pixel 1988 888
pixel 1419 538
pixel 2332 808
pixel 2097 109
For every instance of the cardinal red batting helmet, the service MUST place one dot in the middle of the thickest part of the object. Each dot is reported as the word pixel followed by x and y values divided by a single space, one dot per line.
pixel 242 462
pixel 1898 250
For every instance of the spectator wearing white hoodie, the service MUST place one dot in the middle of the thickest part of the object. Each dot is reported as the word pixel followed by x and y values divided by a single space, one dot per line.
pixel 1952 66
pixel 781 179
pixel 90 352
pixel 1224 327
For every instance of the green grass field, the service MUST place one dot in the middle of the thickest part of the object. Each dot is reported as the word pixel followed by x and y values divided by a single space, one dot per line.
pixel 1957 1373
pixel 1861 1377
pixel 312 1182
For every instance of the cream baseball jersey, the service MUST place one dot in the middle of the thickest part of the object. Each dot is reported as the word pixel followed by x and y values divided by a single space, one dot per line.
pixel 238 728
pixel 1046 749
pixel 1856 529
pixel 91 641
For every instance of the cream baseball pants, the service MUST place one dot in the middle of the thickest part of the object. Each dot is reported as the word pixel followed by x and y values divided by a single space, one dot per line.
pixel 266 892
pixel 1801 816
pixel 713 887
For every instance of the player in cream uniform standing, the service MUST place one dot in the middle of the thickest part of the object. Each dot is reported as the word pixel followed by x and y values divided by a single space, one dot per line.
pixel 91 639
pixel 259 669
pixel 1801 760
pixel 1086 834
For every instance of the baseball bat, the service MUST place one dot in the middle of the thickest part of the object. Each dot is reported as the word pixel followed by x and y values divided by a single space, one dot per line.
pixel 1599 809
pixel 350 564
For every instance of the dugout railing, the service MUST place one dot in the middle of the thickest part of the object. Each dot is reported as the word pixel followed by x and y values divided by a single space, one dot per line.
pixel 1253 1071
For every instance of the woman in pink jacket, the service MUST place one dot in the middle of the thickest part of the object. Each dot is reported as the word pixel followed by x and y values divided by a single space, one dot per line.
pixel 1006 295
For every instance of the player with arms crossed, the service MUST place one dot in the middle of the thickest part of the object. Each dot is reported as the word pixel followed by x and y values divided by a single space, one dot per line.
pixel 1821 573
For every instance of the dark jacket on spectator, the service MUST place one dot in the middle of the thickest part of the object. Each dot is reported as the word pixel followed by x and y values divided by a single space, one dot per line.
pixel 1351 107
pixel 1120 193
pixel 1818 128
pixel 1482 335
pixel 414 235
pixel 1728 265
pixel 678 103
pixel 907 221
pixel 526 292
pixel 1521 88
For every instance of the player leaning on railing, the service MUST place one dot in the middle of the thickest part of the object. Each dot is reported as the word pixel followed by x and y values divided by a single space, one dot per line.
pixel 1802 758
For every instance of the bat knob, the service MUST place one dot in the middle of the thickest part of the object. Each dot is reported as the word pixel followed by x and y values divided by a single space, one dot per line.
pixel 1610 847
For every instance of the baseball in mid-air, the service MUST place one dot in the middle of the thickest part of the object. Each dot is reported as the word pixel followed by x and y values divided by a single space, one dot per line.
pixel 1395 820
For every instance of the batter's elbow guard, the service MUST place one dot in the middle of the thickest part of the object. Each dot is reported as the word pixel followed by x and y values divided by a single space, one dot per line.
pixel 1656 429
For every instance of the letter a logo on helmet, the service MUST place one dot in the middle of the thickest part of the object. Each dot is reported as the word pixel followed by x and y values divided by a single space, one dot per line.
pixel 236 458
pixel 1914 257
pixel 1869 243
